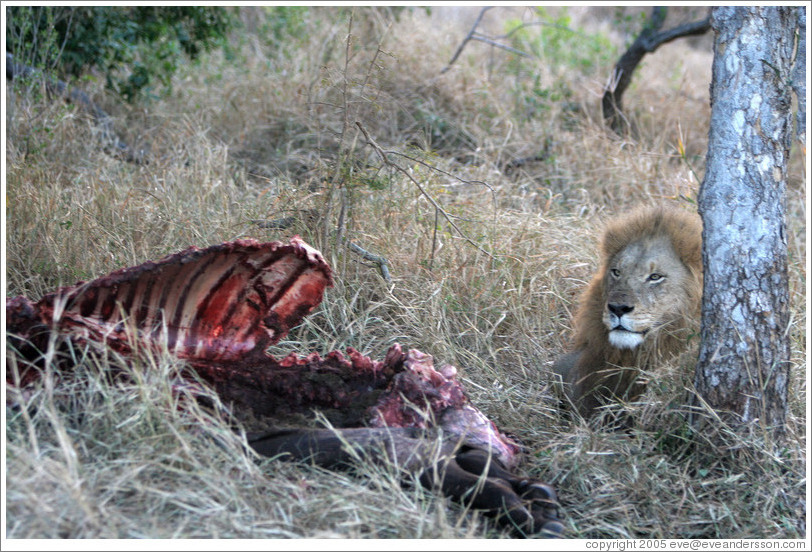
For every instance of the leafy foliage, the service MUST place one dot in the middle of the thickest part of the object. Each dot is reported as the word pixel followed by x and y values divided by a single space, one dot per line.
pixel 283 23
pixel 559 47
pixel 558 41
pixel 151 42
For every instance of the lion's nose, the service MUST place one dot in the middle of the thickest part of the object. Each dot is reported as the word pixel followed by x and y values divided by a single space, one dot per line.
pixel 619 309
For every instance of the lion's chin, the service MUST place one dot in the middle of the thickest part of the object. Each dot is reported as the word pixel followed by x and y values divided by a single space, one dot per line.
pixel 623 339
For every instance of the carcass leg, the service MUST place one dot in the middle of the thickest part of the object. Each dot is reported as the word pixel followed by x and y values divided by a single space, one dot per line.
pixel 540 498
pixel 469 477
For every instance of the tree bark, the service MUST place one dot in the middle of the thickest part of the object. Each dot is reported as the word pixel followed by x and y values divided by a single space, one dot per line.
pixel 743 366
pixel 799 79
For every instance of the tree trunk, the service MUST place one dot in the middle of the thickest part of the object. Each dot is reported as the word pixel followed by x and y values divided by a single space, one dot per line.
pixel 743 366
pixel 799 79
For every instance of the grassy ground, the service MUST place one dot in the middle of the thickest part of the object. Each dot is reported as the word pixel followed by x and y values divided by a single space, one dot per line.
pixel 271 132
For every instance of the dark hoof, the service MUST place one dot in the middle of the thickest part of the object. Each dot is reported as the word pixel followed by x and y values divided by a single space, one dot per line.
pixel 543 503
pixel 552 530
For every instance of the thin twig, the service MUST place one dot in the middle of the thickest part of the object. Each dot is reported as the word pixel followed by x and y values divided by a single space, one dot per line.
pixel 308 216
pixel 450 175
pixel 434 239
pixel 439 170
pixel 275 224
pixel 385 159
pixel 492 42
pixel 342 214
pixel 465 40
pixel 473 34
pixel 337 180
pixel 378 51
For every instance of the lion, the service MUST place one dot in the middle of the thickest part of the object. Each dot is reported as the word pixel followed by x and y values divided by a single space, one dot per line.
pixel 641 307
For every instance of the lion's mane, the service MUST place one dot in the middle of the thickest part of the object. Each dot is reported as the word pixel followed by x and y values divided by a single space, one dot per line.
pixel 596 370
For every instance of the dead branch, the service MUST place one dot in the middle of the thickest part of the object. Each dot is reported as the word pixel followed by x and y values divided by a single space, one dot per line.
pixel 113 145
pixel 649 39
pixel 465 40
pixel 473 34
pixel 382 262
pixel 443 172
pixel 384 155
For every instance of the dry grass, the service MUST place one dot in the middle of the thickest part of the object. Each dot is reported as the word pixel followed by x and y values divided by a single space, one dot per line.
pixel 260 137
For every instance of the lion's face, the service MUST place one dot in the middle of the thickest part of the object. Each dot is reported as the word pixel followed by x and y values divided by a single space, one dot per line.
pixel 640 308
pixel 645 283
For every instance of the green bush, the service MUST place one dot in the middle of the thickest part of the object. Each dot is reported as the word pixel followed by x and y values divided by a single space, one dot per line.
pixel 553 42
pixel 282 24
pixel 558 41
pixel 135 47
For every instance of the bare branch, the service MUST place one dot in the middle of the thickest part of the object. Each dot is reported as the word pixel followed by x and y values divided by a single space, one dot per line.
pixel 276 224
pixel 382 262
pixel 687 29
pixel 473 34
pixel 492 42
pixel 465 40
pixel 385 159
pixel 649 39
pixel 439 170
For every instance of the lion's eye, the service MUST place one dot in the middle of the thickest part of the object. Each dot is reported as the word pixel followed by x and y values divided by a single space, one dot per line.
pixel 654 277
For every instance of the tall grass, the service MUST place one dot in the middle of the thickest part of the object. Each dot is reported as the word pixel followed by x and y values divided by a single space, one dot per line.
pixel 270 132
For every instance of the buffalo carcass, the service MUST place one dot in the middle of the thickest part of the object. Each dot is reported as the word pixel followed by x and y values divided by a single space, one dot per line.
pixel 219 309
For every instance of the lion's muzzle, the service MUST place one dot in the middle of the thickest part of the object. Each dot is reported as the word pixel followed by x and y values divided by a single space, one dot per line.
pixel 621 327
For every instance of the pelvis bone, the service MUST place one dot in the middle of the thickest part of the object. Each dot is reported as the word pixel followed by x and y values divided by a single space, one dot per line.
pixel 220 308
